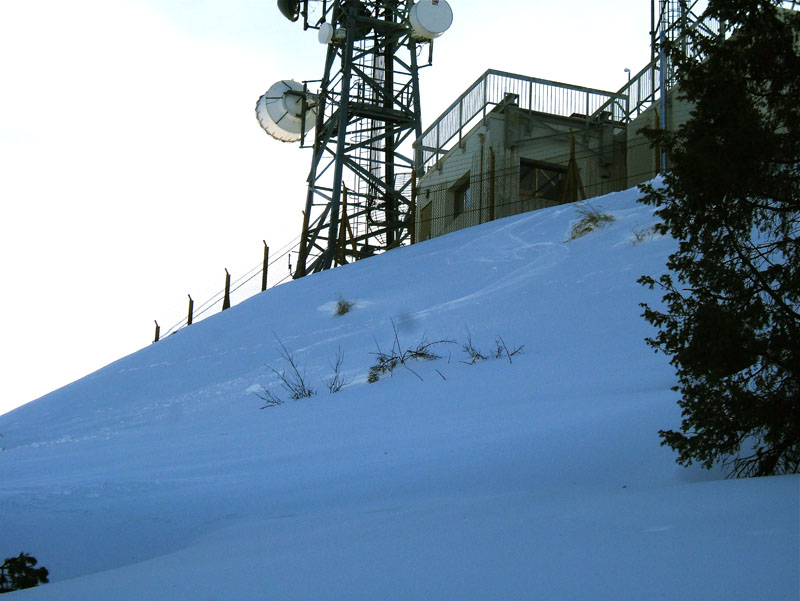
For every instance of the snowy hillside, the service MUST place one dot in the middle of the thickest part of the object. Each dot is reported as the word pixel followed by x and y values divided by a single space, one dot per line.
pixel 537 478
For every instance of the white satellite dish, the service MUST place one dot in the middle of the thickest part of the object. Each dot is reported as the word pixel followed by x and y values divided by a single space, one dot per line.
pixel 328 34
pixel 430 18
pixel 286 111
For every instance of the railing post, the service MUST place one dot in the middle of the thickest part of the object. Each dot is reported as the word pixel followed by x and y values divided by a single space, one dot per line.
pixel 530 95
pixel 587 107
pixel 628 103
pixel 191 311
pixel 460 120
pixel 485 94
pixel 158 332
pixel 226 302
pixel 266 267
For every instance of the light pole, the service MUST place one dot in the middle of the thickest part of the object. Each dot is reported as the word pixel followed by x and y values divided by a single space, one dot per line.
pixel 628 93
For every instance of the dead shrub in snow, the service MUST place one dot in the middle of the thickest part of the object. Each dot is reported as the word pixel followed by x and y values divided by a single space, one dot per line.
pixel 270 400
pixel 343 306
pixel 387 362
pixel 337 381
pixel 473 353
pixel 292 381
pixel 643 234
pixel 500 350
pixel 591 219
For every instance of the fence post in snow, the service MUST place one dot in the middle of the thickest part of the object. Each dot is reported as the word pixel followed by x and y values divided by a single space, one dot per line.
pixel 191 311
pixel 266 266
pixel 226 302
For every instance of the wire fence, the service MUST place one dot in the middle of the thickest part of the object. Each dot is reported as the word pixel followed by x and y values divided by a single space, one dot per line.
pixel 252 282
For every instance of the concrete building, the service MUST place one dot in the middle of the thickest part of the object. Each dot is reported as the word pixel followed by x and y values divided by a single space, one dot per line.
pixel 511 144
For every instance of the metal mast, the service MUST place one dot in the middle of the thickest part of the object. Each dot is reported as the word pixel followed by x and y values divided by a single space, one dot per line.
pixel 671 21
pixel 359 199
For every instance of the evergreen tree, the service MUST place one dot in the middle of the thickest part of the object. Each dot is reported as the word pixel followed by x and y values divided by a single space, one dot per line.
pixel 731 314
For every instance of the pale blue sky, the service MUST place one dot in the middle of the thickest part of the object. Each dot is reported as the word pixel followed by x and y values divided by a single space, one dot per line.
pixel 133 171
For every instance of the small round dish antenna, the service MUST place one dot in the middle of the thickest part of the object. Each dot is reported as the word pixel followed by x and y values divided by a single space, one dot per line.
pixel 327 34
pixel 430 18
pixel 286 111
pixel 290 9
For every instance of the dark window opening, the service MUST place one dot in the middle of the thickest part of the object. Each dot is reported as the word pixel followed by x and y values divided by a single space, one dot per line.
pixel 539 180
pixel 462 196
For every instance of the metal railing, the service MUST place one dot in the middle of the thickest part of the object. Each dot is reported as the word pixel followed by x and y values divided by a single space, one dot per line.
pixel 640 92
pixel 533 94
pixel 644 88
pixel 554 98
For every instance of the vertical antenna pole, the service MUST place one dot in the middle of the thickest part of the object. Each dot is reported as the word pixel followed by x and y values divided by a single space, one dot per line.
pixel 191 311
pixel 391 202
pixel 417 105
pixel 158 332
pixel 662 163
pixel 653 48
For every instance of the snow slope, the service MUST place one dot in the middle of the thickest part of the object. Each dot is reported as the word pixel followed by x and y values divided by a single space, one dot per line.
pixel 540 478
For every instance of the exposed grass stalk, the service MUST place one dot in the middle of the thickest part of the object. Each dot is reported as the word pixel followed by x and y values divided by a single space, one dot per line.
pixel 591 219
pixel 337 381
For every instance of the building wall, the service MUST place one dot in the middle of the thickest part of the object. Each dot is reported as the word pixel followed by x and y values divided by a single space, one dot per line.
pixel 489 158
pixel 642 160
pixel 609 157
pixel 467 162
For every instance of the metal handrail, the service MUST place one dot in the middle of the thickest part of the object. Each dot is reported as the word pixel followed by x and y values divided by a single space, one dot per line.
pixel 639 92
pixel 552 97
pixel 492 88
pixel 644 88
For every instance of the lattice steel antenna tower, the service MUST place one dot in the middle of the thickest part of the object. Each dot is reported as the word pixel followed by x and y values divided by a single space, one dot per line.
pixel 671 23
pixel 366 114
